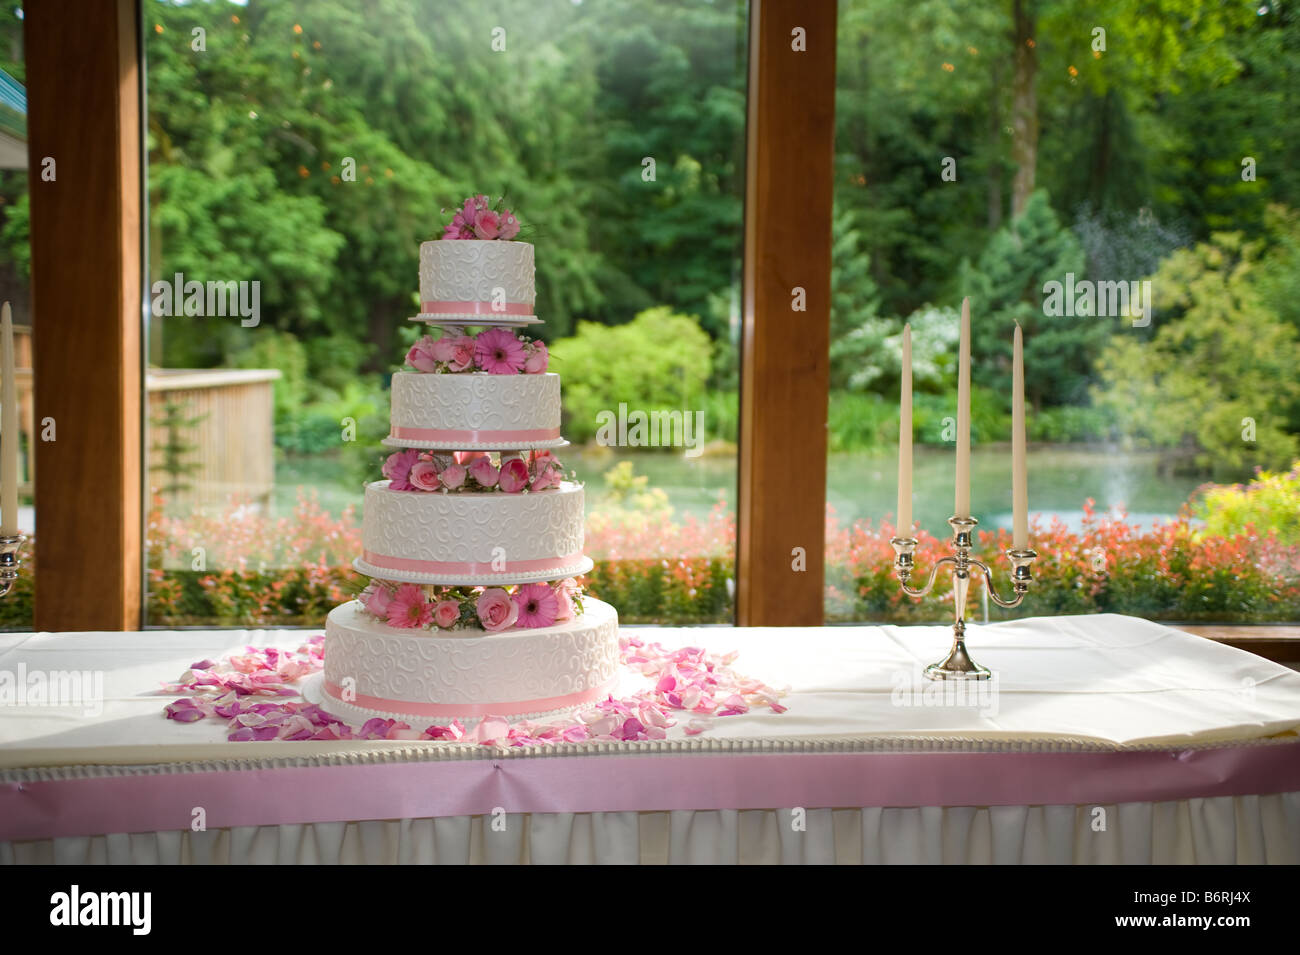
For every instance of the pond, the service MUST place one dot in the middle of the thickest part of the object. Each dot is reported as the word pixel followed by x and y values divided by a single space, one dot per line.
pixel 859 485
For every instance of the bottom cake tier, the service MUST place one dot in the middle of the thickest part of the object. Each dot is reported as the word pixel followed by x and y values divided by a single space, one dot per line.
pixel 425 677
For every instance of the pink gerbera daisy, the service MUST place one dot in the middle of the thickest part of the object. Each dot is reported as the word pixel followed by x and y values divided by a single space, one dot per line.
pixel 409 608
pixel 538 606
pixel 499 351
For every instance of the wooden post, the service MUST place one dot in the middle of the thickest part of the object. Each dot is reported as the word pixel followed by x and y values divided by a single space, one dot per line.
pixel 785 366
pixel 83 86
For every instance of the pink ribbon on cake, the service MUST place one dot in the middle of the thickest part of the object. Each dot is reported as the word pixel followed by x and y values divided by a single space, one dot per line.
pixel 471 566
pixel 473 710
pixel 475 308
pixel 475 436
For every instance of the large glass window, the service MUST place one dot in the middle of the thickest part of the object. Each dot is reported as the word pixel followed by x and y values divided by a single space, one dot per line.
pixel 15 288
pixel 300 152
pixel 1118 179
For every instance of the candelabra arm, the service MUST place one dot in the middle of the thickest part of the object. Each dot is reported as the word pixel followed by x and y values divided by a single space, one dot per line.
pixel 1020 577
pixel 905 562
pixel 930 584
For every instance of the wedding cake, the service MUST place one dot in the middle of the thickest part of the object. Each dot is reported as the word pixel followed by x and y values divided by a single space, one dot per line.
pixel 473 540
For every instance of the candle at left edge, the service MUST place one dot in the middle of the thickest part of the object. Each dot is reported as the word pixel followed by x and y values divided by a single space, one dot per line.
pixel 8 427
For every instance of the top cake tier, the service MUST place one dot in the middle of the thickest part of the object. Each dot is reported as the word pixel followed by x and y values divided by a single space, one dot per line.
pixel 476 282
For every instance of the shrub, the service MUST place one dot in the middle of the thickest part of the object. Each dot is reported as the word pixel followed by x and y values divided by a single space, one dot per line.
pixel 658 361
pixel 291 571
pixel 1174 571
pixel 1269 505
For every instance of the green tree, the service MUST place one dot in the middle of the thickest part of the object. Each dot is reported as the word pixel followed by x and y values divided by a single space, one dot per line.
pixel 1213 386
pixel 1006 287
pixel 176 449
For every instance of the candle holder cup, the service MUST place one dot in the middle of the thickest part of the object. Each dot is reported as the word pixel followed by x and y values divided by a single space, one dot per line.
pixel 9 561
pixel 958 665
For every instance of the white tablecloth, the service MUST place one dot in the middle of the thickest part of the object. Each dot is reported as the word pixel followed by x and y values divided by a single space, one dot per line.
pixel 1099 687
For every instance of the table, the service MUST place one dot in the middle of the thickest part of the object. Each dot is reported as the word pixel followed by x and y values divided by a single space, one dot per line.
pixel 1103 739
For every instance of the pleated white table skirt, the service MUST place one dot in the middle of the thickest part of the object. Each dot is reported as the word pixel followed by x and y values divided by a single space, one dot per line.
pixel 1223 830
pixel 1107 740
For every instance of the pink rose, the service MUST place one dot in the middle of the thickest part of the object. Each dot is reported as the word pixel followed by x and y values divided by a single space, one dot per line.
pixel 453 477
pixel 564 605
pixel 514 476
pixel 548 476
pixel 444 349
pixel 424 476
pixel 469 457
pixel 487 224
pixel 496 611
pixel 398 467
pixel 376 598
pixel 463 353
pixel 509 225
pixel 543 458
pixel 446 612
pixel 421 357
pixel 538 356
pixel 484 472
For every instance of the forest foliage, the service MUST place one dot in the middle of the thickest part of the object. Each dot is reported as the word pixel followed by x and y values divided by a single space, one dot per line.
pixel 982 149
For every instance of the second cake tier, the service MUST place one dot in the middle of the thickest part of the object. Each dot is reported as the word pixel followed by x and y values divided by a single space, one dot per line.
pixel 475 412
pixel 472 538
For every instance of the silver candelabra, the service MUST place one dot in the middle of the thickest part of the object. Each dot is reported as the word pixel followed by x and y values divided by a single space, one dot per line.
pixel 9 561
pixel 958 665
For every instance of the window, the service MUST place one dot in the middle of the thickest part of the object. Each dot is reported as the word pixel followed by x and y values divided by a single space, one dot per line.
pixel 15 273
pixel 1120 187
pixel 299 155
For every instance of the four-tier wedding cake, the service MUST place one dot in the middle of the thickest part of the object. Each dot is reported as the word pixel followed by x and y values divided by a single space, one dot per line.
pixel 473 541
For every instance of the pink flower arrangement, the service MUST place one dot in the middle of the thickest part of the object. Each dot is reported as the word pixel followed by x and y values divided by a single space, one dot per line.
pixel 497 351
pixel 496 610
pixel 477 218
pixel 413 606
pixel 471 471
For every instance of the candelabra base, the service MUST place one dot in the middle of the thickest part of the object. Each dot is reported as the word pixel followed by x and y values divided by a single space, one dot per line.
pixel 957 665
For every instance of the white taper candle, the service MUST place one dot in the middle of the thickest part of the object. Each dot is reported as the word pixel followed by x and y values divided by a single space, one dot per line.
pixel 963 415
pixel 8 427
pixel 904 528
pixel 1019 468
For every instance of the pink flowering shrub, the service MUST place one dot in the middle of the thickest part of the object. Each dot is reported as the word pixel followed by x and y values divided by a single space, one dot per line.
pixel 293 570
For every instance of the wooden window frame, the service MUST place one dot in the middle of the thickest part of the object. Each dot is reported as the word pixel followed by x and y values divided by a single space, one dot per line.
pixel 87 293
pixel 785 352
pixel 86 303
pixel 84 111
